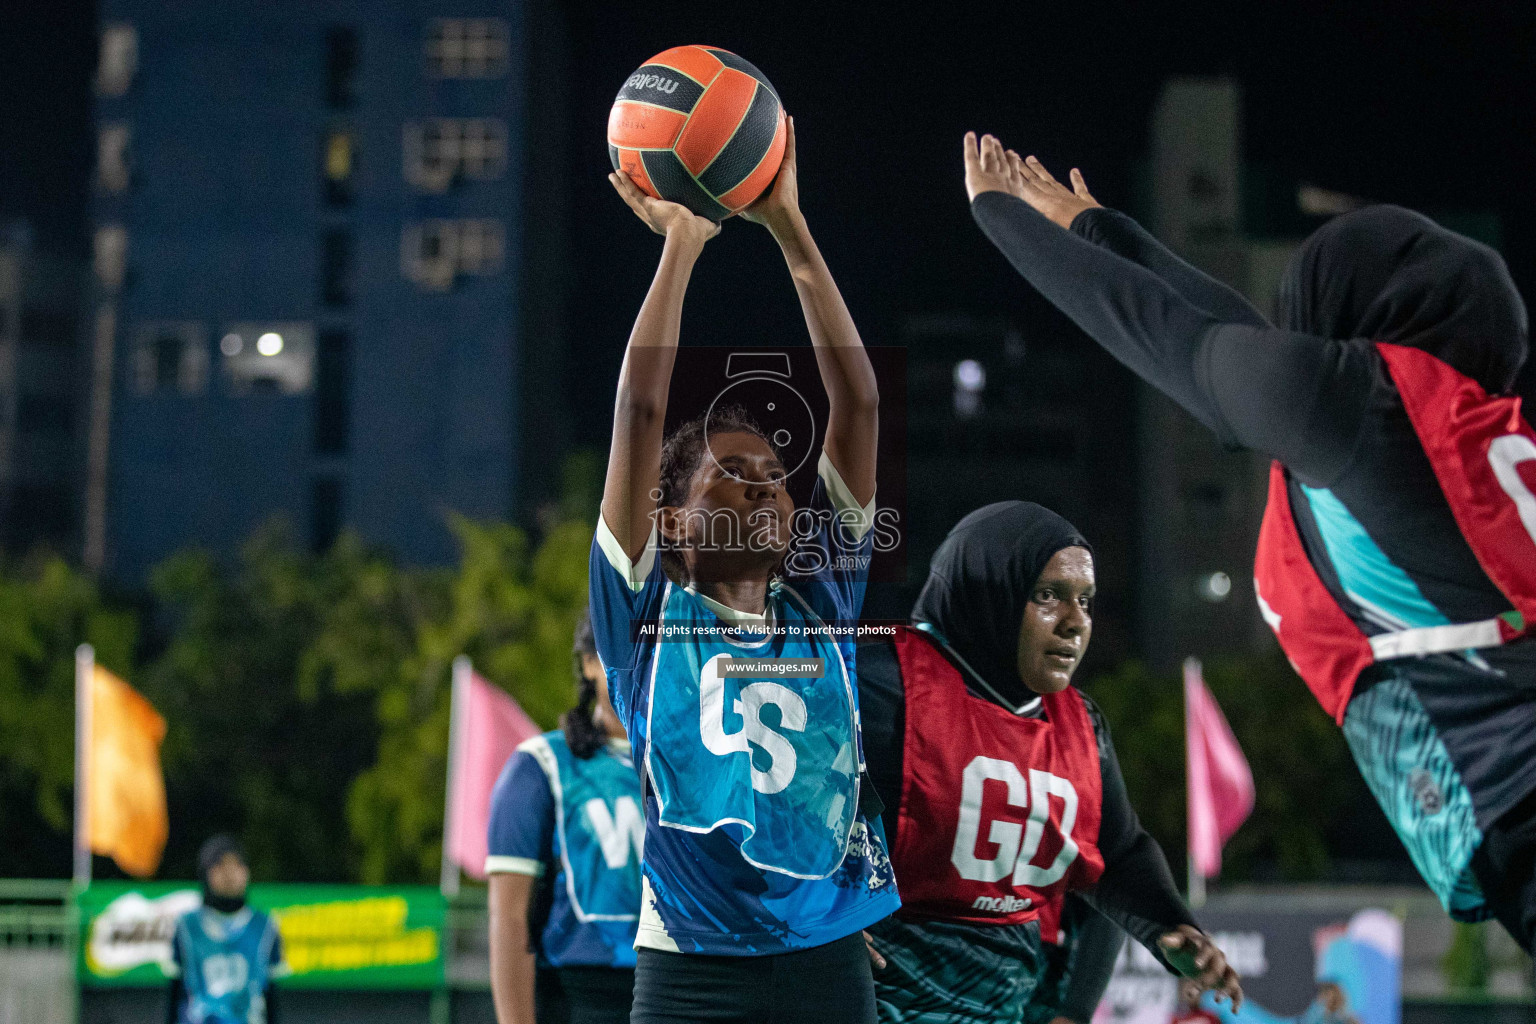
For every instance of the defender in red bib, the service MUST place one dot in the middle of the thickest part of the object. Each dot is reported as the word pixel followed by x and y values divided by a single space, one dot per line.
pixel 999 811
pixel 1005 792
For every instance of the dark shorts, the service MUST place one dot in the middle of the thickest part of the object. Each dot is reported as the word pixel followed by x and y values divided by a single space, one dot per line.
pixel 828 984
pixel 583 995
pixel 1505 866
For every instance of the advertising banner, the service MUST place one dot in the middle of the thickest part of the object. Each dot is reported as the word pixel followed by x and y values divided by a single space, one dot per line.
pixel 1290 962
pixel 334 936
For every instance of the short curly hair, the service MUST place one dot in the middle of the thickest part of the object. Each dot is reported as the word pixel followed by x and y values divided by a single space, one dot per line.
pixel 683 452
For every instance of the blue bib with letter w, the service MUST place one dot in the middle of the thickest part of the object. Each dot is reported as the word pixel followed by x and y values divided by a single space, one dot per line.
pixel 599 828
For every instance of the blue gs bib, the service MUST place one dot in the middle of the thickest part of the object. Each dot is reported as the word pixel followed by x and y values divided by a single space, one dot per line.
pixel 775 755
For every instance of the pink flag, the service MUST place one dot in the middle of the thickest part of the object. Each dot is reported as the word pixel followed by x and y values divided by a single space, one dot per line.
pixel 1220 784
pixel 487 727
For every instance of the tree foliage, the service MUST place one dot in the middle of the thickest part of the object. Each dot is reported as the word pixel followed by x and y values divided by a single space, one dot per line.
pixel 47 609
pixel 306 695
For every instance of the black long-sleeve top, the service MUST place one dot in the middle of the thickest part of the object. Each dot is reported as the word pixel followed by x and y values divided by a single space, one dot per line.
pixel 1136 891
pixel 1329 411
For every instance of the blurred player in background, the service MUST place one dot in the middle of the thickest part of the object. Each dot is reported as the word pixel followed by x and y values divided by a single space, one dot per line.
pixel 761 866
pixel 1329 1006
pixel 564 865
pixel 1397 559
pixel 225 955
pixel 980 691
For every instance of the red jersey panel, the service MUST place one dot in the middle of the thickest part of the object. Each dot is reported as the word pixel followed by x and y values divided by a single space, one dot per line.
pixel 999 813
pixel 1483 452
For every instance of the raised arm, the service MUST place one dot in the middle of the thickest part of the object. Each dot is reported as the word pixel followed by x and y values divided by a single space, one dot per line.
pixel 846 373
pixel 1078 211
pixel 634 455
pixel 1295 397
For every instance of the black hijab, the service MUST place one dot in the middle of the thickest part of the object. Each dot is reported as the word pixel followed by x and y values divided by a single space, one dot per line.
pixel 981 578
pixel 213 851
pixel 1389 274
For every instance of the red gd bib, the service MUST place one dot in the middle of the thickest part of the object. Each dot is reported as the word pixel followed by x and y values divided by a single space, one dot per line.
pixel 999 813
pixel 1483 452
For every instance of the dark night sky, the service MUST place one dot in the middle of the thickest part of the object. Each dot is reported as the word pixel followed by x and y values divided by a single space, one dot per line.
pixel 1430 105
pixel 1427 104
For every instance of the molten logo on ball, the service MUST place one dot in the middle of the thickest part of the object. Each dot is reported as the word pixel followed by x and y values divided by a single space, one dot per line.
pixel 640 80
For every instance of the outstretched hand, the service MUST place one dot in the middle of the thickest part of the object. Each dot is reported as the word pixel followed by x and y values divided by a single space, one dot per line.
pixel 782 199
pixel 1049 196
pixel 661 216
pixel 990 168
pixel 987 168
pixel 1192 953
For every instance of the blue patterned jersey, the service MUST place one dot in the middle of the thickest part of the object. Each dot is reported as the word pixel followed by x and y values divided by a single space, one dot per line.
pixel 579 818
pixel 754 842
pixel 226 962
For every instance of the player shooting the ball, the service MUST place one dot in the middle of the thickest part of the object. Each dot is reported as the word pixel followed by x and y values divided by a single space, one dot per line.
pixel 761 865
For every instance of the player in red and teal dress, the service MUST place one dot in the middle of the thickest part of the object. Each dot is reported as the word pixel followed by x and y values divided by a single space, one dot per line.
pixel 564 865
pixel 762 865
pixel 1004 791
pixel 1397 554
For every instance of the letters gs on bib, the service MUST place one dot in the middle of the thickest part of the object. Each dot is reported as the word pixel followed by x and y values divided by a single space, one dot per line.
pixel 753 732
pixel 1016 845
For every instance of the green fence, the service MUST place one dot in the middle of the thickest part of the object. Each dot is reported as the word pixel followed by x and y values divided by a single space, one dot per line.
pixel 38 939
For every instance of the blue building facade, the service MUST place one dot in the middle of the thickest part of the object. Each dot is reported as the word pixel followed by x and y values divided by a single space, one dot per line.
pixel 310 270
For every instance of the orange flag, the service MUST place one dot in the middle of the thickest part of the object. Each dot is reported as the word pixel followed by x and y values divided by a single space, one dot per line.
pixel 126 817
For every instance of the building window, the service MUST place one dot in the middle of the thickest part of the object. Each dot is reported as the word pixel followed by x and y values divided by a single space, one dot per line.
pixel 338 163
pixel 268 356
pixel 434 253
pixel 439 149
pixel 336 267
pixel 170 357
pixel 114 163
pixel 332 399
pixel 110 245
pixel 340 67
pixel 324 512
pixel 466 48
pixel 119 59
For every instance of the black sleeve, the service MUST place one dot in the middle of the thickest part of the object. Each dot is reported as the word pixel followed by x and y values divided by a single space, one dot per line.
pixel 1120 234
pixel 1292 396
pixel 883 715
pixel 1078 972
pixel 1095 945
pixel 273 1016
pixel 1136 890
